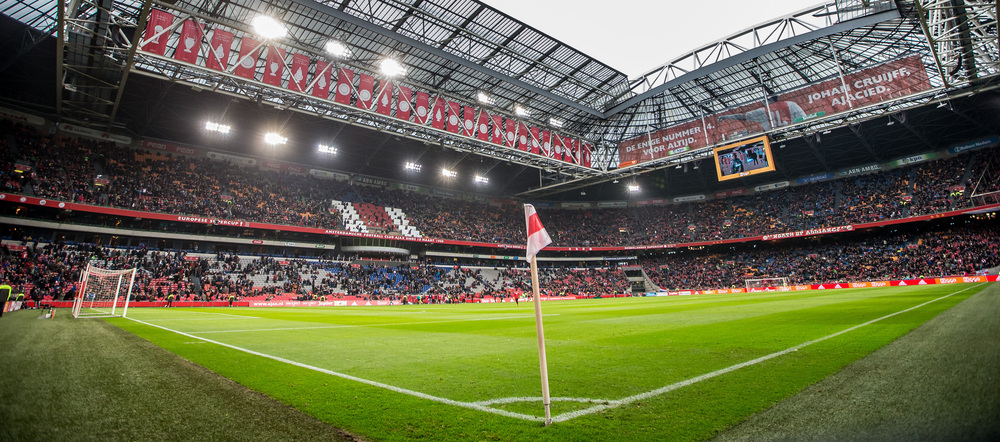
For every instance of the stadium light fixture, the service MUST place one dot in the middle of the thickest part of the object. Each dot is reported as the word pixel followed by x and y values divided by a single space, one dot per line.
pixel 392 67
pixel 327 149
pixel 337 49
pixel 633 187
pixel 521 111
pixel 482 180
pixel 556 123
pixel 212 126
pixel 268 28
pixel 484 98
pixel 412 166
pixel 448 173
pixel 274 138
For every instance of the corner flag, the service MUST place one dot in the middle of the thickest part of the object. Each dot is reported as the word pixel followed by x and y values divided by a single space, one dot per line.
pixel 538 238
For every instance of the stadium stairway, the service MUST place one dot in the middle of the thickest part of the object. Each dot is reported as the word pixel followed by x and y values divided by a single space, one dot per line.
pixel 639 280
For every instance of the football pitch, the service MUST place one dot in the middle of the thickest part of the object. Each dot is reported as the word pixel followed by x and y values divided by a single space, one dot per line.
pixel 679 368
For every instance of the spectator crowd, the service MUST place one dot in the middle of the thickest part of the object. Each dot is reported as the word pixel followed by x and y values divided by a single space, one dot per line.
pixel 74 169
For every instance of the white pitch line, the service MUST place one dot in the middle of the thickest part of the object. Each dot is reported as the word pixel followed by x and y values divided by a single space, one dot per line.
pixel 511 400
pixel 207 319
pixel 363 325
pixel 470 405
pixel 274 329
pixel 620 402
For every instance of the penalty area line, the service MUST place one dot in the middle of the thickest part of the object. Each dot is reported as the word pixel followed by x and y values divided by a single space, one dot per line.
pixel 662 390
pixel 469 405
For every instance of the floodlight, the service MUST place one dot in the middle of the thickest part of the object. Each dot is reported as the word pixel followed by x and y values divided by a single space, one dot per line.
pixel 337 49
pixel 447 173
pixel 268 28
pixel 484 98
pixel 392 67
pixel 520 111
pixel 212 126
pixel 481 179
pixel 556 123
pixel 412 166
pixel 274 138
pixel 633 187
pixel 327 149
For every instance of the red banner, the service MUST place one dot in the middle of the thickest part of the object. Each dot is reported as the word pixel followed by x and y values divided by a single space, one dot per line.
pixel 218 53
pixel 546 149
pixel 557 147
pixel 167 147
pixel 468 125
pixel 586 153
pixel 888 81
pixel 437 113
pixel 249 52
pixel 384 98
pixel 523 137
pixel 342 94
pixel 511 135
pixel 536 144
pixel 321 84
pixel 366 94
pixel 498 132
pixel 454 119
pixel 484 126
pixel 284 167
pixel 572 151
pixel 274 66
pixel 189 44
pixel 154 39
pixel 299 73
pixel 729 193
pixel 422 108
pixel 403 110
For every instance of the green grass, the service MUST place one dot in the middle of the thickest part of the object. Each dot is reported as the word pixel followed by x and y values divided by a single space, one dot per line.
pixel 603 350
pixel 83 379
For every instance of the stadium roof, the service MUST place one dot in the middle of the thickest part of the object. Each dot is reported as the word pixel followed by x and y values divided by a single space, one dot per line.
pixel 459 48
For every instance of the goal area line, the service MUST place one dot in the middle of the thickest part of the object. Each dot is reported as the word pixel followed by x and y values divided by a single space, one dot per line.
pixel 604 404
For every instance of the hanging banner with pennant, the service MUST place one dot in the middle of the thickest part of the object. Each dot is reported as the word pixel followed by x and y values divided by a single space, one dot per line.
pixel 154 38
pixel 218 53
pixel 247 63
pixel 189 44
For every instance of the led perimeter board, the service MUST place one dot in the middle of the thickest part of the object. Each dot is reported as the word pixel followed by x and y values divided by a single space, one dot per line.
pixel 745 158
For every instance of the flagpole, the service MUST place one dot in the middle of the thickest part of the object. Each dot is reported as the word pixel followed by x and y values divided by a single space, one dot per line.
pixel 541 341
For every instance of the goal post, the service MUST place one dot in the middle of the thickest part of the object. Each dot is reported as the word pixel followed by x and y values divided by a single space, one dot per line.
pixel 761 284
pixel 103 293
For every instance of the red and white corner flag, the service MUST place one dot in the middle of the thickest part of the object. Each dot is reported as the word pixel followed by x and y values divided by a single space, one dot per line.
pixel 538 238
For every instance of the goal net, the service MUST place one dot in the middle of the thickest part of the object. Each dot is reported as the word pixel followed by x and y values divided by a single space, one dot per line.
pixel 762 284
pixel 103 293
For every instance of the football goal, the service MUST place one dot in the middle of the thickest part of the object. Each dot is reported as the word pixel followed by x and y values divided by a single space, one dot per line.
pixel 765 283
pixel 103 293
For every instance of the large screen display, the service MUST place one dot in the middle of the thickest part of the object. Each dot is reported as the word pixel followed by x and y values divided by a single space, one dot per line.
pixel 745 158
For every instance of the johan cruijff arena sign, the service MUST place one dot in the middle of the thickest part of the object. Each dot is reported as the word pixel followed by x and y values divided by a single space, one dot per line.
pixel 897 78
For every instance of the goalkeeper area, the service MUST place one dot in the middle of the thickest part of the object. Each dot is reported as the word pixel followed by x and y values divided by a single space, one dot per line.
pixel 103 293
